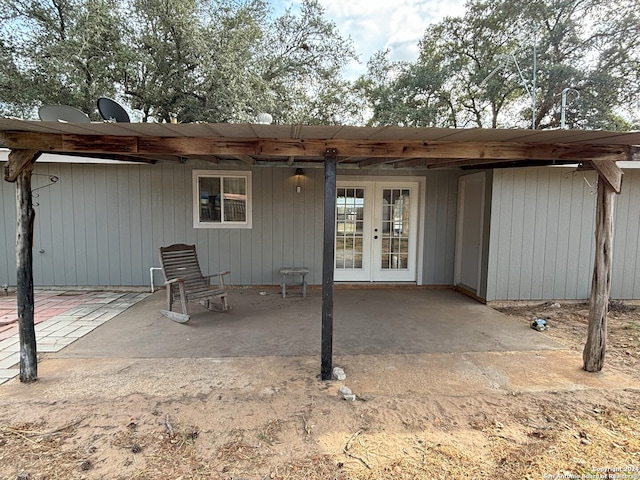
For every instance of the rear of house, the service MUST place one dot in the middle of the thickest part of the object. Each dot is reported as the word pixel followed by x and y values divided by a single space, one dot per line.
pixel 498 234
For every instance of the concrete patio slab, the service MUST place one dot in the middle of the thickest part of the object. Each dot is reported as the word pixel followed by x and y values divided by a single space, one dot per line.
pixel 382 337
pixel 366 321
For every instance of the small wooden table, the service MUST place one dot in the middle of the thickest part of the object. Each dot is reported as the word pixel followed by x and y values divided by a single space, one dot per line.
pixel 302 271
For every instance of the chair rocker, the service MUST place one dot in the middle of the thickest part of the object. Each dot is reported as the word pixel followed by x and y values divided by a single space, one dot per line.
pixel 184 281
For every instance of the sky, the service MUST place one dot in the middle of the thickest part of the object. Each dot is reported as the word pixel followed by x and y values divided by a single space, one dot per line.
pixel 375 25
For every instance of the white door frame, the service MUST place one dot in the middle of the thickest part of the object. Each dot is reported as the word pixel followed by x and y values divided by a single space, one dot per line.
pixel 374 185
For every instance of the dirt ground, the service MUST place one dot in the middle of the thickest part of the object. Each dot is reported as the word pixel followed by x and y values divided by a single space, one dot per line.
pixel 270 418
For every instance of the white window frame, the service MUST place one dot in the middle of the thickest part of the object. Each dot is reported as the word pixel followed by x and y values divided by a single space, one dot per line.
pixel 221 174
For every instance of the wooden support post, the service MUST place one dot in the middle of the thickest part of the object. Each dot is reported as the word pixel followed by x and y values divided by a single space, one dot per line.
pixel 24 260
pixel 328 257
pixel 594 349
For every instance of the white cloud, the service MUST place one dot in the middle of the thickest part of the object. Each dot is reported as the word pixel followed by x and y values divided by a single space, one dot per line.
pixel 397 25
pixel 373 25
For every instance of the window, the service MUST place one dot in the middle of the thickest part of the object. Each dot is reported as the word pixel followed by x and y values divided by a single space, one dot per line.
pixel 221 199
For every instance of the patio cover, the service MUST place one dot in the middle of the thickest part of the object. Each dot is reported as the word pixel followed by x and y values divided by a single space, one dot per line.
pixel 253 144
pixel 256 144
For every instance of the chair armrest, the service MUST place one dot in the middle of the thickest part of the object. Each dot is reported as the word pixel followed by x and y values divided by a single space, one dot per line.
pixel 217 274
pixel 220 276
pixel 173 280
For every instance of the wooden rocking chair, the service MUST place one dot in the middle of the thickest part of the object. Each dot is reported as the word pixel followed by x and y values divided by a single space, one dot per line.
pixel 184 281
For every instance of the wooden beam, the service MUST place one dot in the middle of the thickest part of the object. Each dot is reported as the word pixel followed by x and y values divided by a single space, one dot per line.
pixel 128 158
pixel 246 159
pixel 206 158
pixel 458 163
pixel 328 258
pixel 19 160
pixel 370 162
pixel 24 262
pixel 349 159
pixel 595 347
pixel 609 172
pixel 186 146
pixel 443 162
pixel 412 162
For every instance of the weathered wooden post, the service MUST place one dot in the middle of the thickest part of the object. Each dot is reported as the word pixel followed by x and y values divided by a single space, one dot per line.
pixel 609 183
pixel 18 170
pixel 328 257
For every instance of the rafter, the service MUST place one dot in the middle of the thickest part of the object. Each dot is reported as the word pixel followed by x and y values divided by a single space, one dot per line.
pixel 370 162
pixel 246 159
pixel 462 162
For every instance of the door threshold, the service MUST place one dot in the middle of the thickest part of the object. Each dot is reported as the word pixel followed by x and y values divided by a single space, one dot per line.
pixel 469 293
pixel 346 285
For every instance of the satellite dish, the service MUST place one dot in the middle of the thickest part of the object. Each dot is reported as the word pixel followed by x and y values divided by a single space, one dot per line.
pixel 264 119
pixel 111 111
pixel 62 113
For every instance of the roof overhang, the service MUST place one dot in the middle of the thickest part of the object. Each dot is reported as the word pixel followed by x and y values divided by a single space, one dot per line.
pixel 256 144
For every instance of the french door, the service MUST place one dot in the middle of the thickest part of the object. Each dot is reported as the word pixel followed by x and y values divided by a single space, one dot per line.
pixel 376 231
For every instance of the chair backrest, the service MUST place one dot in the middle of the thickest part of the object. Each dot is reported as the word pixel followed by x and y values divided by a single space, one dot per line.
pixel 62 113
pixel 111 110
pixel 181 261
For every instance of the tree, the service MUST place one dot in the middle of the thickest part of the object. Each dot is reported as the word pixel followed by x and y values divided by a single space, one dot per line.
pixel 301 63
pixel 481 65
pixel 199 60
pixel 618 43
pixel 453 82
pixel 55 51
pixel 168 44
pixel 404 93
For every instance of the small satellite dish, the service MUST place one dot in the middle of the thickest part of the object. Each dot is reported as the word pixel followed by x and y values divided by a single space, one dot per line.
pixel 264 119
pixel 111 111
pixel 62 113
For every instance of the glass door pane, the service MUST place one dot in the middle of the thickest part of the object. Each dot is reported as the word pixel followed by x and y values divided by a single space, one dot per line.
pixel 396 214
pixel 349 228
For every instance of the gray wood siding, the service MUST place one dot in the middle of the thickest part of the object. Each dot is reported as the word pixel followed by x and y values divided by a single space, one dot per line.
pixel 440 227
pixel 8 233
pixel 542 235
pixel 625 281
pixel 102 225
pixel 541 239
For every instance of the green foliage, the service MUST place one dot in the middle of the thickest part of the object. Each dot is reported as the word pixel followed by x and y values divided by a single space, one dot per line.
pixel 477 70
pixel 228 60
pixel 55 53
pixel 200 60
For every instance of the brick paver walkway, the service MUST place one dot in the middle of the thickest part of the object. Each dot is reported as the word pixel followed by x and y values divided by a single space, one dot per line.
pixel 60 318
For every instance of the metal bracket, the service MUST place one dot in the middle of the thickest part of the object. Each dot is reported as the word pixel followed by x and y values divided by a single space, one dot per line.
pixel 331 153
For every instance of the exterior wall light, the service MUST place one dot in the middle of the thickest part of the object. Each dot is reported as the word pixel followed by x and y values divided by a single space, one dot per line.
pixel 299 173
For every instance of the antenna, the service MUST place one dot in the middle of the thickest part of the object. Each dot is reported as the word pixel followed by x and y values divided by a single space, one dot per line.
pixel 564 104
pixel 504 59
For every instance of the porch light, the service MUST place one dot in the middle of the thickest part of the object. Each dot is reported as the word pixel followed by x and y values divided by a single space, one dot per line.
pixel 298 173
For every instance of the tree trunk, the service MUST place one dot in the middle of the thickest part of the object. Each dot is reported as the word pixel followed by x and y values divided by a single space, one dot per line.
pixel 594 349
pixel 24 260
